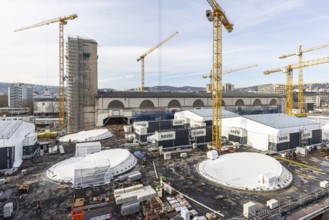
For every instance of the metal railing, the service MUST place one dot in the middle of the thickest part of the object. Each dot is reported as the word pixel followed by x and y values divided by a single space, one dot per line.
pixel 292 205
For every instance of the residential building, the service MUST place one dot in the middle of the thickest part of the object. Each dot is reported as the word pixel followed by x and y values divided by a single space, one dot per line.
pixel 20 96
pixel 279 89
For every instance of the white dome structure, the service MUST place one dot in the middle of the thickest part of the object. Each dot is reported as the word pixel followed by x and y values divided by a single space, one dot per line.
pixel 93 169
pixel 86 136
pixel 246 171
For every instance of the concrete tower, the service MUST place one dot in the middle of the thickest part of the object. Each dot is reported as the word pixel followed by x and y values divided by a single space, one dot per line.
pixel 82 83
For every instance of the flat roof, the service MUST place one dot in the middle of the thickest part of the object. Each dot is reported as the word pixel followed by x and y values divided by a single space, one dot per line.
pixel 206 113
pixel 280 120
pixel 122 94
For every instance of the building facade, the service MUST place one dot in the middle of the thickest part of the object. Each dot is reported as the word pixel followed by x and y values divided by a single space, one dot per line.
pixel 312 98
pixel 20 96
pixel 82 83
pixel 3 101
pixel 228 87
pixel 113 105
pixel 47 104
pixel 279 89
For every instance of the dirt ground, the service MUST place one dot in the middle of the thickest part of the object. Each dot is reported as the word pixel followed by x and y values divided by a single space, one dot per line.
pixel 56 199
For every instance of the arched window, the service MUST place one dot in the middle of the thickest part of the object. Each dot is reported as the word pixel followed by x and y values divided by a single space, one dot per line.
pixel 116 104
pixel 257 102
pixel 146 104
pixel 239 102
pixel 174 104
pixel 198 104
pixel 274 102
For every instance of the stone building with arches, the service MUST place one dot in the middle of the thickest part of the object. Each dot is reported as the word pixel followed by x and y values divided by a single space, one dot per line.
pixel 117 105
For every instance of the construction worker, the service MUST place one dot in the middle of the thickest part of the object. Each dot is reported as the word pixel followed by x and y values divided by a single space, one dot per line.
pixel 38 207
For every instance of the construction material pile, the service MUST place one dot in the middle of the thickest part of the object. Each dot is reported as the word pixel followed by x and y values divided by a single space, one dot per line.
pixel 134 193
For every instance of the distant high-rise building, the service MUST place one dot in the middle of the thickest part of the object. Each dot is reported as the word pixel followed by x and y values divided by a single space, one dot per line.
pixel 228 87
pixel 82 83
pixel 20 96
pixel 279 89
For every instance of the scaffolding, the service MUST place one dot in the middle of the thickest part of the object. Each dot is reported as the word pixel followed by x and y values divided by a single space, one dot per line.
pixel 92 173
pixel 82 83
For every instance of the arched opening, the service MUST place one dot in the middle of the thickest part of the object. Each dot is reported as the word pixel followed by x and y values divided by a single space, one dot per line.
pixel 223 103
pixel 174 104
pixel 257 102
pixel 115 121
pixel 198 104
pixel 273 102
pixel 116 104
pixel 146 104
pixel 239 103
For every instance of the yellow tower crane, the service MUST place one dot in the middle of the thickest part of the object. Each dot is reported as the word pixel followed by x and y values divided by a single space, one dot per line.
pixel 148 52
pixel 218 17
pixel 62 21
pixel 288 70
pixel 300 53
pixel 227 72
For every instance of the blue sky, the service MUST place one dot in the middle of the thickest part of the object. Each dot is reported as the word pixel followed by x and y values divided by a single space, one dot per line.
pixel 263 31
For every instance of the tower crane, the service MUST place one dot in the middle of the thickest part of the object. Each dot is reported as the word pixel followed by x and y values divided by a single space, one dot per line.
pixel 148 52
pixel 299 53
pixel 62 21
pixel 227 72
pixel 288 70
pixel 218 17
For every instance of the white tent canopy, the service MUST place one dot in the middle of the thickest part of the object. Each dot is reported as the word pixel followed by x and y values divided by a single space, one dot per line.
pixel 12 134
pixel 86 136
pixel 247 174
pixel 93 169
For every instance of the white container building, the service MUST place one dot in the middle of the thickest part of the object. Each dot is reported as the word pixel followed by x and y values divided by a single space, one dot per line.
pixel 277 132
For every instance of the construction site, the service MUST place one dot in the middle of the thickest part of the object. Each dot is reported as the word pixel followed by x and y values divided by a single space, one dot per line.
pixel 166 155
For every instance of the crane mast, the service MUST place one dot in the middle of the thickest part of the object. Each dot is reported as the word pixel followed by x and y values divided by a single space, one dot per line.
pixel 300 53
pixel 62 21
pixel 141 58
pixel 218 17
pixel 288 70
